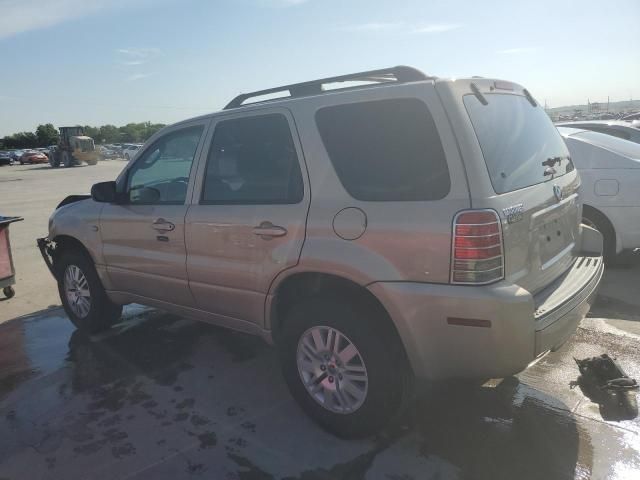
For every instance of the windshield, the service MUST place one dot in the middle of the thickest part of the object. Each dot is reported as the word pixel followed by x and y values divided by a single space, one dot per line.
pixel 521 147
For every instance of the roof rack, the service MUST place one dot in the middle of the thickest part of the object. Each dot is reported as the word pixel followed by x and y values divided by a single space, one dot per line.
pixel 399 74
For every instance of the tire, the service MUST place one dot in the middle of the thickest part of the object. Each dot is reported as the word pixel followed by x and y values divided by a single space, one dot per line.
pixel 54 160
pixel 21 162
pixel 385 370
pixel 67 159
pixel 597 220
pixel 9 292
pixel 93 312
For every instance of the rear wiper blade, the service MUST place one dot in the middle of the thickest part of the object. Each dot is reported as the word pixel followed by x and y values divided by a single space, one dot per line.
pixel 551 161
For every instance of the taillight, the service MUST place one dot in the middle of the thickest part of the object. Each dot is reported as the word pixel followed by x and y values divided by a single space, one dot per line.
pixel 477 249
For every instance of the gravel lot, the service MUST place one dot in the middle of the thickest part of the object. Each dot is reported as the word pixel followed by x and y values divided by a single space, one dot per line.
pixel 165 397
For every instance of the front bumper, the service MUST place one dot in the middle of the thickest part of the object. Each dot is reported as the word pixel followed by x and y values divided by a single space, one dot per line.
pixel 523 326
pixel 46 248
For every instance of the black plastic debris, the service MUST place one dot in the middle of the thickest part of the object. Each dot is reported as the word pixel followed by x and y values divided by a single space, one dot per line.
pixel 604 381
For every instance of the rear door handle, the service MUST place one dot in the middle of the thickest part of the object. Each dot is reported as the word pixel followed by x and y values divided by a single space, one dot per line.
pixel 161 225
pixel 268 229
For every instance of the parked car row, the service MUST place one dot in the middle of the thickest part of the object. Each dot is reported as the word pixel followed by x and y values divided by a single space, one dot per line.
pixel 42 155
pixel 23 157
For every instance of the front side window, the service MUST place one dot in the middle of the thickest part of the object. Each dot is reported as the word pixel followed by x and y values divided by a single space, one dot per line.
pixel 253 160
pixel 385 150
pixel 161 174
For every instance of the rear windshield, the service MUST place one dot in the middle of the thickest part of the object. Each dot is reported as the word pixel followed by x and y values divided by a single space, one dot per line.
pixel 516 138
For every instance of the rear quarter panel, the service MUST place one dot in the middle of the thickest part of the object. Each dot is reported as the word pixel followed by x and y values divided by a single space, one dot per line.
pixel 403 241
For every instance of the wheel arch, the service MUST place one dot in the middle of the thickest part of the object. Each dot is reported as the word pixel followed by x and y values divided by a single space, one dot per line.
pixel 310 284
pixel 65 243
pixel 594 212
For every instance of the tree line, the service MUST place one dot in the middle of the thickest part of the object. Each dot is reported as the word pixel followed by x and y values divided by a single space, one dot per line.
pixel 47 134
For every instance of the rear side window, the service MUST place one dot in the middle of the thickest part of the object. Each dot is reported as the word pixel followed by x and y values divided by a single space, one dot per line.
pixel 387 150
pixel 517 141
pixel 253 160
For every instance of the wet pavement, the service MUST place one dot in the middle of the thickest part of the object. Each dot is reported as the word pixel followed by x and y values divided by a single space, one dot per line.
pixel 163 397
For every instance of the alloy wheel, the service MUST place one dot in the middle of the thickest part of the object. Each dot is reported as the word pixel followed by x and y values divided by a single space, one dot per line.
pixel 332 369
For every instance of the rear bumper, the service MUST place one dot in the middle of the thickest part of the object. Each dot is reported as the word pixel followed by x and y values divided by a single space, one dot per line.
pixel 523 326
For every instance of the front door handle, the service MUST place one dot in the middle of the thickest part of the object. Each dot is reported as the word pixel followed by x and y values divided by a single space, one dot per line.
pixel 161 225
pixel 269 230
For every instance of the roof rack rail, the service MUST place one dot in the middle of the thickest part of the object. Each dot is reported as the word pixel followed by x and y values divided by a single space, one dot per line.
pixel 399 74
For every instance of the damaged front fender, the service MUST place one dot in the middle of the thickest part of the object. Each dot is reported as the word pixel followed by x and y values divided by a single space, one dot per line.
pixel 47 248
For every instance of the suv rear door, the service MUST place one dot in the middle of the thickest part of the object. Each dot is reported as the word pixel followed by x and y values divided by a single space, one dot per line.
pixel 519 166
pixel 248 218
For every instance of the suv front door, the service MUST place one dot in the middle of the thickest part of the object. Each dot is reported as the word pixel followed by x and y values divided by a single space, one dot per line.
pixel 143 238
pixel 248 220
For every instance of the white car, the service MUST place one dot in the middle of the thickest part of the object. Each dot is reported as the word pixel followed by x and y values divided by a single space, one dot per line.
pixel 610 171
pixel 129 150
pixel 617 128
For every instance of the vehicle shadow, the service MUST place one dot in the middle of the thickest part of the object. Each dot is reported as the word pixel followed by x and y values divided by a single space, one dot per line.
pixel 506 431
pixel 169 388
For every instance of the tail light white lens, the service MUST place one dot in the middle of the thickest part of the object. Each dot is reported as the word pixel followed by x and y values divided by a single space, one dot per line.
pixel 477 248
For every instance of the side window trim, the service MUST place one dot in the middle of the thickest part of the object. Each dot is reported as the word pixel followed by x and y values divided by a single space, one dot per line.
pixel 122 182
pixel 207 145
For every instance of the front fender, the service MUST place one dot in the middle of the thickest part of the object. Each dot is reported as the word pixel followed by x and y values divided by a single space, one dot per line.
pixel 79 220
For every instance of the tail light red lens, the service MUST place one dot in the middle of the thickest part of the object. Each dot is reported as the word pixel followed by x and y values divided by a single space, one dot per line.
pixel 477 248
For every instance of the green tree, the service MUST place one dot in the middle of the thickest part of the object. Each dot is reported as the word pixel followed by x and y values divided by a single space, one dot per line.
pixel 46 135
pixel 93 132
pixel 109 133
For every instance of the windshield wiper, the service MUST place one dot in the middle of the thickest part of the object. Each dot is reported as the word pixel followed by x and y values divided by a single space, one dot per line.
pixel 551 161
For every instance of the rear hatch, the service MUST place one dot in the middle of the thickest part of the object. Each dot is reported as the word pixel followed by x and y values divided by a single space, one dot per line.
pixel 532 182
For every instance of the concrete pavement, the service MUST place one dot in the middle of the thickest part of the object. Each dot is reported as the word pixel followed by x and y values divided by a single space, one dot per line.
pixel 160 396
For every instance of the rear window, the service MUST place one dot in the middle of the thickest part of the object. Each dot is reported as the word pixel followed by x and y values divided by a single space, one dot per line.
pixel 516 138
pixel 387 150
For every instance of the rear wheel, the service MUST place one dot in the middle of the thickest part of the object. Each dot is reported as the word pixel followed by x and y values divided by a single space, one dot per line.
pixel 54 160
pixel 82 294
pixel 67 159
pixel 345 371
pixel 594 219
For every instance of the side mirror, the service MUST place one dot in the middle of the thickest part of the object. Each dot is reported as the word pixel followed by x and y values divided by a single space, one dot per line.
pixel 104 192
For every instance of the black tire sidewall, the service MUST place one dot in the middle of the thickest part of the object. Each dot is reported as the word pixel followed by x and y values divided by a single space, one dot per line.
pixel 102 312
pixel 384 367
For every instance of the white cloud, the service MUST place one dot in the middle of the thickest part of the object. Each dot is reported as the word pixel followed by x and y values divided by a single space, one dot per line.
pixel 515 51
pixel 18 16
pixel 437 28
pixel 137 56
pixel 137 76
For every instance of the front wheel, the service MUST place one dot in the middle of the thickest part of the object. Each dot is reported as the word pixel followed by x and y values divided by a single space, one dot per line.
pixel 9 292
pixel 345 371
pixel 82 294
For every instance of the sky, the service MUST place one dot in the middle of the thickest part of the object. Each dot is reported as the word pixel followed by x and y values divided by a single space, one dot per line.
pixel 96 62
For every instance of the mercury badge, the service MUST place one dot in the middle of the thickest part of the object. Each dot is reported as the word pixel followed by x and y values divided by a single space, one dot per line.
pixel 514 213
pixel 557 191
